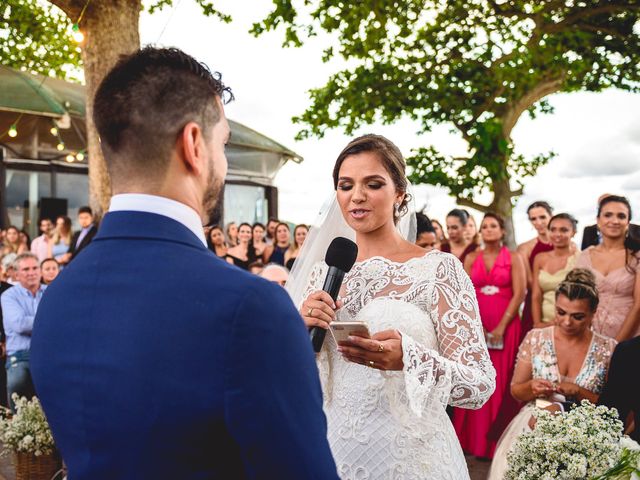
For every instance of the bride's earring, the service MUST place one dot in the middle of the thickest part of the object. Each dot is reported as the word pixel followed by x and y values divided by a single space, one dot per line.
pixel 396 209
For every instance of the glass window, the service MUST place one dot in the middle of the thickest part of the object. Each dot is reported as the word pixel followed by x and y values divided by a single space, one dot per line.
pixel 75 188
pixel 23 190
pixel 245 203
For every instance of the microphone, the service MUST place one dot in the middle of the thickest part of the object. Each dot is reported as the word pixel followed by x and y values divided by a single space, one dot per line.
pixel 340 256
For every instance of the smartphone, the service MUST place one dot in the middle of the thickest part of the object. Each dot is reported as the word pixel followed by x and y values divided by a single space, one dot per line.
pixel 342 330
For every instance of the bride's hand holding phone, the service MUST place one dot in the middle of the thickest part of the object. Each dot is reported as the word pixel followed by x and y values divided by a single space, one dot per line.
pixel 383 351
pixel 319 309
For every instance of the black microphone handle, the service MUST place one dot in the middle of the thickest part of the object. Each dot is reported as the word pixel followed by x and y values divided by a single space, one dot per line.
pixel 332 284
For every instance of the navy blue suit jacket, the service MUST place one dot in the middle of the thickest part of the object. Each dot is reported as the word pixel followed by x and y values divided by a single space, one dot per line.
pixel 155 359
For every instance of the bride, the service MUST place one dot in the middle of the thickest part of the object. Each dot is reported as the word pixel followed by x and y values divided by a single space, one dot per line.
pixel 385 397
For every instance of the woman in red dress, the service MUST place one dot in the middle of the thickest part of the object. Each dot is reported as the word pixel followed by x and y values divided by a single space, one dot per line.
pixel 499 278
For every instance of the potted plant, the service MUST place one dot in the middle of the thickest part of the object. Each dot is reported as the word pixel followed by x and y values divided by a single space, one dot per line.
pixel 27 435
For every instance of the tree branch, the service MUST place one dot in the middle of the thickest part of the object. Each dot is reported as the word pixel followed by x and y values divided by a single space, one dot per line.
pixel 589 12
pixel 511 116
pixel 502 10
pixel 598 29
pixel 517 193
pixel 71 7
pixel 466 202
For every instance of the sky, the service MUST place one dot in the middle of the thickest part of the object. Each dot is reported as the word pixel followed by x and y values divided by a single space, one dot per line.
pixel 596 136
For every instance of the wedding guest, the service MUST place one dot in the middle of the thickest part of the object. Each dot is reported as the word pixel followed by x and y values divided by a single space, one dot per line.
pixel 499 279
pixel 242 254
pixel 40 244
pixel 591 235
pixel 19 306
pixel 25 241
pixel 299 235
pixel 385 396
pixel 275 252
pixel 4 286
pixel 425 233
pixel 50 269
pixel 8 270
pixel 271 230
pixel 441 238
pixel 232 234
pixel 275 273
pixel 12 243
pixel 61 241
pixel 622 388
pixel 458 245
pixel 539 214
pixel 216 243
pixel 85 235
pixel 564 362
pixel 550 268
pixel 256 267
pixel 616 264
pixel 471 233
pixel 258 232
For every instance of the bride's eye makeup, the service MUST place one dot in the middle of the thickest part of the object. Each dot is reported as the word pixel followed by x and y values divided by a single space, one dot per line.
pixel 344 186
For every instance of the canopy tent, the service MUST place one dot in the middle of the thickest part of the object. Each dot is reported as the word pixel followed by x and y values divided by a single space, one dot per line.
pixel 39 103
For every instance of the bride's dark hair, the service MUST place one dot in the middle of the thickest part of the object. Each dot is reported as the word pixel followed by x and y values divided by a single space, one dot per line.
pixel 389 155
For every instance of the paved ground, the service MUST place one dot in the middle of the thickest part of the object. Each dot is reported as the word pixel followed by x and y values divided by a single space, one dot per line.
pixel 477 469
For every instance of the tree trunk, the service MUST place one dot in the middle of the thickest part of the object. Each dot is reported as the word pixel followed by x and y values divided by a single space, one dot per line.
pixel 502 206
pixel 111 30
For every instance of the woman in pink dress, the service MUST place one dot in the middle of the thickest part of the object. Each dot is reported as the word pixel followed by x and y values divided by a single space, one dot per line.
pixel 615 262
pixel 499 278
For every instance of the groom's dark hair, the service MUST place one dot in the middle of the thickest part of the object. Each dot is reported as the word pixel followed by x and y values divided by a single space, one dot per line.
pixel 144 102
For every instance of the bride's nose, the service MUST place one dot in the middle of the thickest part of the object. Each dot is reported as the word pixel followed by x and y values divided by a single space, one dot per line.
pixel 358 194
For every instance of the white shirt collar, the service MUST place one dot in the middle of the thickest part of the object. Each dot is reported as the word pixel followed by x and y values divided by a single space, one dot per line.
pixel 139 202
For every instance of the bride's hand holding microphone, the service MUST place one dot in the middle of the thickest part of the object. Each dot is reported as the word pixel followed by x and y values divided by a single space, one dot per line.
pixel 319 310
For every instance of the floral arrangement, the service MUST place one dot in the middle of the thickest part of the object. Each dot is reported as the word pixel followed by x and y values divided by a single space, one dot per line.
pixel 27 430
pixel 584 443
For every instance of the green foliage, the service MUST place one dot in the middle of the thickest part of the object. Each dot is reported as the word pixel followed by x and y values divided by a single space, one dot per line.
pixel 37 37
pixel 207 7
pixel 476 64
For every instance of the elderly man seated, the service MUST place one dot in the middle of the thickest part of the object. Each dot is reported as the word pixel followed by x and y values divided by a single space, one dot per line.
pixel 19 306
pixel 275 273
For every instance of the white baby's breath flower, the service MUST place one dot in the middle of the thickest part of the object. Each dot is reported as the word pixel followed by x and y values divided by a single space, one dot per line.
pixel 629 444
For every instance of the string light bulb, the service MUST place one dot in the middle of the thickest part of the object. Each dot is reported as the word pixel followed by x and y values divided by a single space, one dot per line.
pixel 76 33
pixel 54 131
pixel 60 146
pixel 70 158
pixel 13 131
pixel 80 156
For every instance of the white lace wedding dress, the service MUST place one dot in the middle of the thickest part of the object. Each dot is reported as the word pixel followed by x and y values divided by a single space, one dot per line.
pixel 393 425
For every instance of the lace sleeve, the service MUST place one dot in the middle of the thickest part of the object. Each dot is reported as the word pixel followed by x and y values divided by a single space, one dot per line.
pixel 522 371
pixel 460 373
pixel 323 360
pixel 315 281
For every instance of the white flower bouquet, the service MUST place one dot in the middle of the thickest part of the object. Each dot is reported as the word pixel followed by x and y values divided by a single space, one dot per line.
pixel 27 430
pixel 584 443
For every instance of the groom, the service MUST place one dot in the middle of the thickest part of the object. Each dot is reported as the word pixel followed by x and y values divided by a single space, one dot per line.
pixel 154 359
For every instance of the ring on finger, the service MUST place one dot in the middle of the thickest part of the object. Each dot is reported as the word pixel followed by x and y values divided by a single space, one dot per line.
pixel 380 347
pixel 310 312
pixel 371 363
